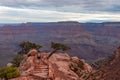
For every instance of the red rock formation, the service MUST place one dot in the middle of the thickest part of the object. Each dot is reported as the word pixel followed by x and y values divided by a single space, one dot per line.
pixel 56 68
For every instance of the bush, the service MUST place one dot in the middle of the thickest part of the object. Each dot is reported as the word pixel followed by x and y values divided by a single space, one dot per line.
pixel 26 46
pixel 9 72
pixel 17 60
pixel 81 66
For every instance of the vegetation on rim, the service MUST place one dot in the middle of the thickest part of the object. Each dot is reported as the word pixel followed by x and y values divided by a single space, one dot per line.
pixel 9 72
pixel 56 47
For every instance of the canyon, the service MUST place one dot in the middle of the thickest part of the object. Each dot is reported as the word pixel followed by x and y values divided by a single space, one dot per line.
pixel 89 41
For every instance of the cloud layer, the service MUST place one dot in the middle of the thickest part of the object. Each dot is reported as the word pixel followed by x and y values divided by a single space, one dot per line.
pixel 66 5
pixel 58 10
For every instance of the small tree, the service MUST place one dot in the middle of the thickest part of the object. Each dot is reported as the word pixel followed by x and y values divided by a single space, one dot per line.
pixel 17 60
pixel 9 72
pixel 56 47
pixel 26 46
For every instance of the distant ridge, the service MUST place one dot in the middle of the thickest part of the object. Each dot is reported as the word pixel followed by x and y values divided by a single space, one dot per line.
pixel 61 22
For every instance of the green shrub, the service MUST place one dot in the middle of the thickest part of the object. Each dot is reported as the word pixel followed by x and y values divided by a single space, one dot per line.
pixel 17 60
pixel 9 72
pixel 81 66
pixel 26 46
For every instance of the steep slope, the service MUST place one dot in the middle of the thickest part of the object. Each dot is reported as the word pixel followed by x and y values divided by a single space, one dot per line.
pixel 111 71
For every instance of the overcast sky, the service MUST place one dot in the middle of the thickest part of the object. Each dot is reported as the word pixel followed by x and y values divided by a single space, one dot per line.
pixel 59 10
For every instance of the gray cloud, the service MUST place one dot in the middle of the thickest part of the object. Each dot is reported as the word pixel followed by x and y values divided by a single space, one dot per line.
pixel 66 5
pixel 9 14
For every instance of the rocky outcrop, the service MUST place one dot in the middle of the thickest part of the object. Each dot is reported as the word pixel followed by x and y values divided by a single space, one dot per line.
pixel 58 67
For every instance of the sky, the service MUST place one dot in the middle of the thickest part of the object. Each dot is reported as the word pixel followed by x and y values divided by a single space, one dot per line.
pixel 17 11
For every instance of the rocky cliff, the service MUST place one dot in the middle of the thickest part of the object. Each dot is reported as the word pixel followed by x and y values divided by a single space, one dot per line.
pixel 60 66
pixel 110 71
